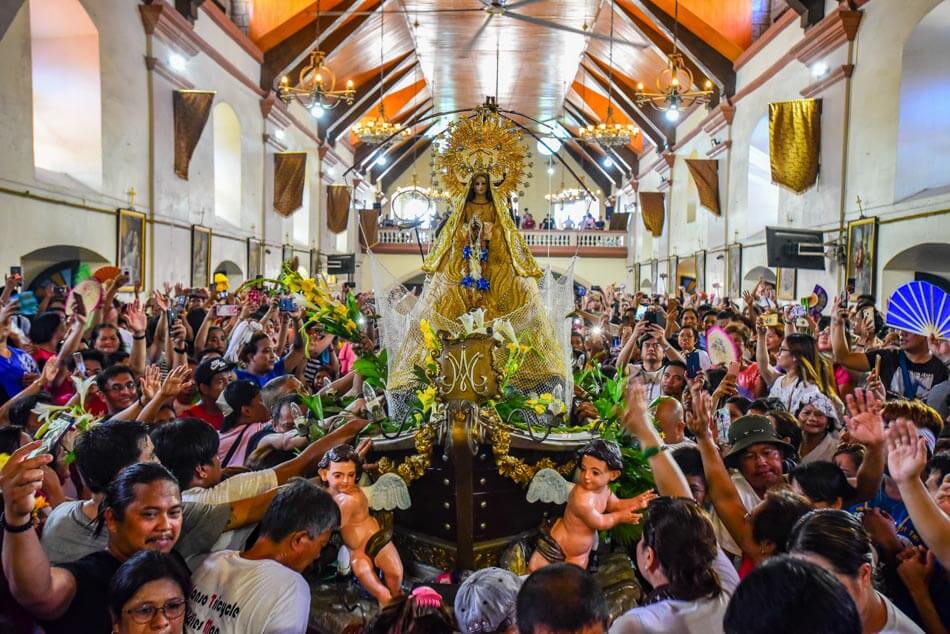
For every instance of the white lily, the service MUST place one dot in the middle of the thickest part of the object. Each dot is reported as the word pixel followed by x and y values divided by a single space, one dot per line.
pixel 82 387
pixel 504 330
pixel 479 315
pixel 468 323
pixel 44 411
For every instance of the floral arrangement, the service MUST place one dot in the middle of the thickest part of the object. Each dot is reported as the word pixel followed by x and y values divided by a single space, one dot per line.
pixel 48 413
pixel 313 296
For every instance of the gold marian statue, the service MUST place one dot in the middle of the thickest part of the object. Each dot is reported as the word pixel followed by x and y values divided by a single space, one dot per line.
pixel 480 260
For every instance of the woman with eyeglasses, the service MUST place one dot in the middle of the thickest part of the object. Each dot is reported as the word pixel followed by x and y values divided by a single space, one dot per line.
pixel 804 372
pixel 148 593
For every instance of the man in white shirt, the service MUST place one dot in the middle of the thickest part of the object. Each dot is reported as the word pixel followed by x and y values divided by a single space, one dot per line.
pixel 261 589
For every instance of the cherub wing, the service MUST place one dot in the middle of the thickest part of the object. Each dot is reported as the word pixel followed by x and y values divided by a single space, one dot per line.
pixel 388 493
pixel 549 486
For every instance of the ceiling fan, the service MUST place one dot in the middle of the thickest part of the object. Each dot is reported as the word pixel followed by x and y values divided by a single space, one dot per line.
pixel 499 8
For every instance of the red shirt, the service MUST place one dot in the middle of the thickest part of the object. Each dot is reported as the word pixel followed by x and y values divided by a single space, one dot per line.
pixel 215 419
pixel 41 356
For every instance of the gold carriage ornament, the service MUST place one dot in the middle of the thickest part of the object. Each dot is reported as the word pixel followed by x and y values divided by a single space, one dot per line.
pixel 485 142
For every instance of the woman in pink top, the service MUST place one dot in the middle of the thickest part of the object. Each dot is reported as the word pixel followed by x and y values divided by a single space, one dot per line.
pixel 248 416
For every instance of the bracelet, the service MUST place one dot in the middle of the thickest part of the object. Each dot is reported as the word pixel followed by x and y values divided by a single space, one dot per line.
pixel 10 528
pixel 653 451
pixel 180 350
pixel 138 337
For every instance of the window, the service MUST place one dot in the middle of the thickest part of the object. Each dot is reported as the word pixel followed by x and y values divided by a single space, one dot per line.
pixel 763 201
pixel 575 210
pixel 227 164
pixel 67 96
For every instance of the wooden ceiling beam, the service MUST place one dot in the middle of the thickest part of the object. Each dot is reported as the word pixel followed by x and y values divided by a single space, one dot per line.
pixel 294 51
pixel 716 66
pixel 812 11
pixel 621 154
pixel 402 158
pixel 365 154
pixel 576 151
pixel 189 8
pixel 665 45
pixel 654 125
pixel 367 92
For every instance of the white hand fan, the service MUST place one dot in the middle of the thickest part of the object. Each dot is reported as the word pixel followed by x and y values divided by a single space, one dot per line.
pixel 720 347
pixel 920 308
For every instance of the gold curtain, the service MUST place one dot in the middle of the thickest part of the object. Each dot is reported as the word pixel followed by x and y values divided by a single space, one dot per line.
pixel 654 211
pixel 795 142
pixel 618 221
pixel 369 227
pixel 290 173
pixel 705 174
pixel 191 109
pixel 338 207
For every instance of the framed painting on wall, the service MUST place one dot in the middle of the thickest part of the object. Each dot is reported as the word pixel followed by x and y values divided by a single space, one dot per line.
pixel 700 271
pixel 286 254
pixel 786 281
pixel 734 271
pixel 130 248
pixel 862 256
pixel 254 249
pixel 200 256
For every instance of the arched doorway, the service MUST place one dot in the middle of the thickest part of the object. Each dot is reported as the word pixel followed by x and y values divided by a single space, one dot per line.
pixel 59 264
pixel 929 262
pixel 233 271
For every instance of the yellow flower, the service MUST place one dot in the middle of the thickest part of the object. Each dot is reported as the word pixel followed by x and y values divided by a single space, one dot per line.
pixel 539 409
pixel 340 310
pixel 426 397
pixel 308 285
pixel 351 325
pixel 546 398
pixel 512 347
pixel 4 458
pixel 523 347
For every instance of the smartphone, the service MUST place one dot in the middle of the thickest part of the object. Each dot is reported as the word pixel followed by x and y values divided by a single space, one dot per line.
pixel 79 363
pixel 723 420
pixel 797 311
pixel 54 435
pixel 222 295
pixel 228 310
pixel 867 313
pixel 26 303
pixel 180 302
pixel 60 291
pixel 16 270
pixel 615 342
pixel 652 317
pixel 286 305
pixel 770 320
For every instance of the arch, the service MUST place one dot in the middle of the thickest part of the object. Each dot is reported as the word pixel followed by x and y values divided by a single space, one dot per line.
pixel 233 271
pixel 67 94
pixel 227 164
pixel 923 133
pixel 59 263
pixel 762 202
pixel 927 256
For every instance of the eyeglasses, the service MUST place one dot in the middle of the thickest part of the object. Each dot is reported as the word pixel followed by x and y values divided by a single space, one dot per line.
pixel 144 613
pixel 118 387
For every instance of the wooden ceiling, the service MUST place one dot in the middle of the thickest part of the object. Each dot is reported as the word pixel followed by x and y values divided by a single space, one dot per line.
pixel 442 55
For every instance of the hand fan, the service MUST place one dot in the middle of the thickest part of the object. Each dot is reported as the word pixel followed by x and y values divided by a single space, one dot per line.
pixel 817 301
pixel 90 291
pixel 106 273
pixel 920 308
pixel 719 347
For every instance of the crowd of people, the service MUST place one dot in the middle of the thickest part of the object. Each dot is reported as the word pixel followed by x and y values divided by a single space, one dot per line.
pixel 803 487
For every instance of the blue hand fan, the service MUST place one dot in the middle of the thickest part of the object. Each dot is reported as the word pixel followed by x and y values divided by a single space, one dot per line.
pixel 920 308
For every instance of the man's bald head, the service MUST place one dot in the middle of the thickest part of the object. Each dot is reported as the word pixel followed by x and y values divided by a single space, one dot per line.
pixel 670 417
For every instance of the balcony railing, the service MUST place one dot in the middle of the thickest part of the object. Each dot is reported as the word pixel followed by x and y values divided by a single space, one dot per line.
pixel 602 244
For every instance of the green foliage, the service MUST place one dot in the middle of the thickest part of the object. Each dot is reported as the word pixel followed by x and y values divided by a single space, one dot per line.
pixel 374 369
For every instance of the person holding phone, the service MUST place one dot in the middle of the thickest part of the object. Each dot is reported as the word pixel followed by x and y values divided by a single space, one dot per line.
pixel 17 367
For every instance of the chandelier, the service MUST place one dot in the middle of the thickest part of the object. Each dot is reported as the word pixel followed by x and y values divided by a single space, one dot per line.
pixel 674 85
pixel 568 195
pixel 376 130
pixel 609 133
pixel 316 84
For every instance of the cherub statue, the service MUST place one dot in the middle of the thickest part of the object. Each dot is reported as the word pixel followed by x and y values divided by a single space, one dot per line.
pixel 591 506
pixel 370 546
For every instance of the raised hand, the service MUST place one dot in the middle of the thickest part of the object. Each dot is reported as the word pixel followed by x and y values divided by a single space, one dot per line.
pixel 136 317
pixel 875 387
pixel 50 370
pixel 700 423
pixel 8 311
pixel 635 417
pixel 176 381
pixel 865 424
pixel 906 451
pixel 20 479
pixel 916 568
pixel 161 302
pixel 151 383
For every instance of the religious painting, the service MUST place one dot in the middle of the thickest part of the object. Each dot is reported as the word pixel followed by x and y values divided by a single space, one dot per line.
pixel 130 248
pixel 700 271
pixel 862 256
pixel 786 280
pixel 254 249
pixel 200 256
pixel 734 271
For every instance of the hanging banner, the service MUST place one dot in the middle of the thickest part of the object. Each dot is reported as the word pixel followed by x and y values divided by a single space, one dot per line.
pixel 705 173
pixel 338 207
pixel 290 174
pixel 794 143
pixel 191 109
pixel 369 227
pixel 653 206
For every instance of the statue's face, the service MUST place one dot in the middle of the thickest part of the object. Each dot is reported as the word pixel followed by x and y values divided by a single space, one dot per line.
pixel 480 185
